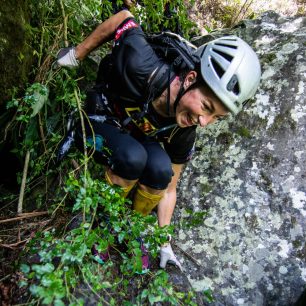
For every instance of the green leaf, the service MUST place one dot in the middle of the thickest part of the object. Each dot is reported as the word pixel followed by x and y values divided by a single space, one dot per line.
pixel 31 132
pixel 42 269
pixel 86 225
pixel 121 236
pixel 208 294
pixel 144 293
pixel 58 302
pixel 23 283
pixel 41 96
pixel 88 201
pixel 154 299
pixel 24 268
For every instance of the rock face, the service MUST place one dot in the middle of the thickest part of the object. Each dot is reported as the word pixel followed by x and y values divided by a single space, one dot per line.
pixel 15 54
pixel 249 174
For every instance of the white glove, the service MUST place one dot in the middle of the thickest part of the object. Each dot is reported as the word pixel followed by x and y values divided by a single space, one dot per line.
pixel 66 58
pixel 167 256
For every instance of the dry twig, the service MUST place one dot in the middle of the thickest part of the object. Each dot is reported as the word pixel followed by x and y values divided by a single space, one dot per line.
pixel 187 255
pixel 23 183
pixel 25 216
pixel 14 245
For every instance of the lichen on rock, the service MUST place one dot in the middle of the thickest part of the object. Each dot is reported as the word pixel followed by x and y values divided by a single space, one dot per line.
pixel 251 245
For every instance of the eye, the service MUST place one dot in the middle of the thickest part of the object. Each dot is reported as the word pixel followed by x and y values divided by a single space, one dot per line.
pixel 206 107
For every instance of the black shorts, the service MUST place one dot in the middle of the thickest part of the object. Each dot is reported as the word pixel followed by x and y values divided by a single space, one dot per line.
pixel 128 157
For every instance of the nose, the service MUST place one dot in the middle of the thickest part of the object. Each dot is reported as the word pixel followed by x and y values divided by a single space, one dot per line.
pixel 205 120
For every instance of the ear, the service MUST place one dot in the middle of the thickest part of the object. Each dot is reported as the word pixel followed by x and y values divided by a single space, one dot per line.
pixel 190 78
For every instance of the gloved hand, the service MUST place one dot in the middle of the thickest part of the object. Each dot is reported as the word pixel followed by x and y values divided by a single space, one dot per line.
pixel 167 256
pixel 66 58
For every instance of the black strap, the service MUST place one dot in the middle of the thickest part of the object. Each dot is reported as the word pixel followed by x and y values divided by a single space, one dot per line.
pixel 181 92
pixel 168 94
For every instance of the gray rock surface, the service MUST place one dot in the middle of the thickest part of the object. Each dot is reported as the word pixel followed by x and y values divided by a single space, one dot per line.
pixel 249 174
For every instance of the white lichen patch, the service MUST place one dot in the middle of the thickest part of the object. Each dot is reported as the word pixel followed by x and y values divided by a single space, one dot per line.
pixel 298 198
pixel 297 169
pixel 268 26
pixel 181 235
pixel 256 271
pixel 276 221
pixel 289 48
pixel 268 73
pixel 303 274
pixel 203 180
pixel 285 248
pixel 264 42
pixel 228 291
pixel 283 270
pixel 296 231
pixel 290 27
pixel 288 183
pixel 298 112
pixel 299 154
pixel 270 146
pixel 261 107
pixel 240 301
pixel 301 67
pixel 209 222
pixel 200 285
pixel 259 197
pixel 186 245
pixel 301 88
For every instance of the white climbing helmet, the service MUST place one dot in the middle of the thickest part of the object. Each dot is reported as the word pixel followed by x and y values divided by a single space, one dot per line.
pixel 231 69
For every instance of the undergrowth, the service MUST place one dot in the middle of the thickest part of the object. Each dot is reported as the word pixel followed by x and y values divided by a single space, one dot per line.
pixel 57 264
pixel 62 262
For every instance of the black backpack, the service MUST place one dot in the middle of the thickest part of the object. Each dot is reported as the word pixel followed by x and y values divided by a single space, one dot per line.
pixel 174 49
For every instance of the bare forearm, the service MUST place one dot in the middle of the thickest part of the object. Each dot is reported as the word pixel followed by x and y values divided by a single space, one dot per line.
pixel 167 203
pixel 101 34
pixel 165 208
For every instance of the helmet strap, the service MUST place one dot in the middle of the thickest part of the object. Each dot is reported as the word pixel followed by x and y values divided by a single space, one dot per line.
pixel 168 93
pixel 181 92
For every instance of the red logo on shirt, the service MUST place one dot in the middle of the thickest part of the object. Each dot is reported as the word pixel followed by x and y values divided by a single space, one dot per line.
pixel 129 25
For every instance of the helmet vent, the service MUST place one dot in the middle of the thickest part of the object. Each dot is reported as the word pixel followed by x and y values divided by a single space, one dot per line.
pixel 236 89
pixel 226 45
pixel 217 68
pixel 233 85
pixel 229 38
pixel 224 55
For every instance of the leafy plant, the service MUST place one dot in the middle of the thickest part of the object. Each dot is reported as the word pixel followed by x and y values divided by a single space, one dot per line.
pixel 64 258
pixel 160 291
pixel 108 223
pixel 156 16
pixel 193 218
pixel 208 295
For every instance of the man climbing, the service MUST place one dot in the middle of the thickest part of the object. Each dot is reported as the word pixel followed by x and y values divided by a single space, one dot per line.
pixel 161 107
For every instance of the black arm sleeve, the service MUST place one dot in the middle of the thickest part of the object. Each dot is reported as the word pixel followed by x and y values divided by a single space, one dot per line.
pixel 134 61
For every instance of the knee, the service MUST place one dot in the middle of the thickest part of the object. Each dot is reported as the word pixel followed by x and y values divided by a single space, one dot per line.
pixel 157 176
pixel 129 162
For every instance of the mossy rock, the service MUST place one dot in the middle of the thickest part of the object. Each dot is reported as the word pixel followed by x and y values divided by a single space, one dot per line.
pixel 15 53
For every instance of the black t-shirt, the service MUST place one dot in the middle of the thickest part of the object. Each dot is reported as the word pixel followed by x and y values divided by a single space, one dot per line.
pixel 134 62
